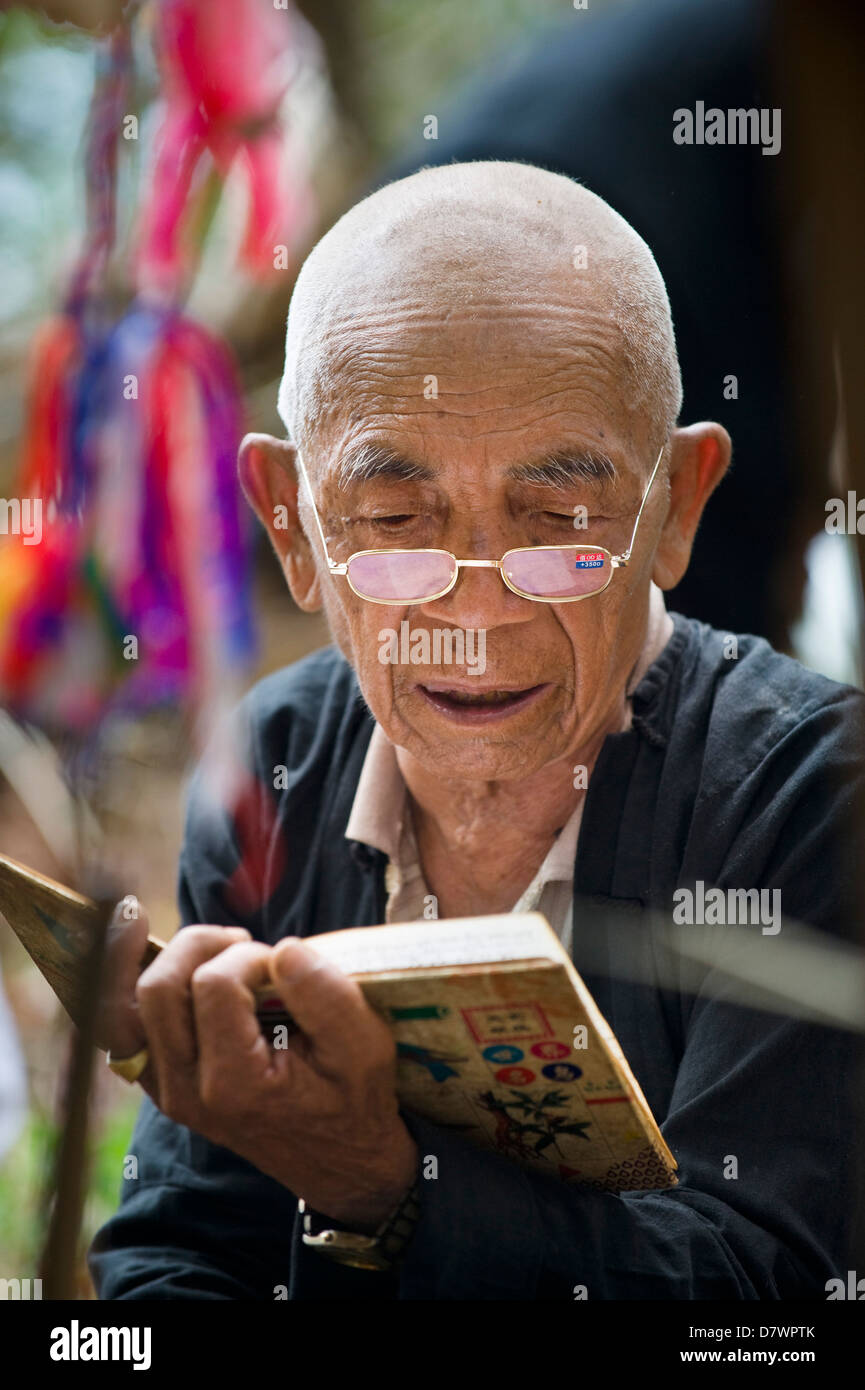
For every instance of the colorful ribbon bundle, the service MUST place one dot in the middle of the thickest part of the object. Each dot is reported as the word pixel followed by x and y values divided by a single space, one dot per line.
pixel 225 68
pixel 137 590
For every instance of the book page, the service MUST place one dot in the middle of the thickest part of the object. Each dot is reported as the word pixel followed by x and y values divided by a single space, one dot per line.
pixel 429 944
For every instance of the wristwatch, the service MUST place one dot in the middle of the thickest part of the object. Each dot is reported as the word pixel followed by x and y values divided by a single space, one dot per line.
pixel 383 1250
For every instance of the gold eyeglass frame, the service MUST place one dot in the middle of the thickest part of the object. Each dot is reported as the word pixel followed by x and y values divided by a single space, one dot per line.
pixel 616 561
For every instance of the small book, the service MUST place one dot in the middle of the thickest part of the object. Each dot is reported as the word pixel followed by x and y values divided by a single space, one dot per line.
pixel 497 1036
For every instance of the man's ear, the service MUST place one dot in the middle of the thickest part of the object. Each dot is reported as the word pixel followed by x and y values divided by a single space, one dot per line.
pixel 700 456
pixel 268 478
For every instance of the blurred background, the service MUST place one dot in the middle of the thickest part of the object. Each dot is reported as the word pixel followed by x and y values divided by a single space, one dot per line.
pixel 164 168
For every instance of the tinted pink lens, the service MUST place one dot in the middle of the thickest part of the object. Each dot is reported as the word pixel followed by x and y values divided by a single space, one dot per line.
pixel 563 572
pixel 401 576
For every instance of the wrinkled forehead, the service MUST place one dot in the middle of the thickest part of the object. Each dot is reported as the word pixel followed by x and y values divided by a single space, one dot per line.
pixel 472 291
pixel 437 367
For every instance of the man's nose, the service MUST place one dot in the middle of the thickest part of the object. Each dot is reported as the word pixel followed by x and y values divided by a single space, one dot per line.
pixel 480 599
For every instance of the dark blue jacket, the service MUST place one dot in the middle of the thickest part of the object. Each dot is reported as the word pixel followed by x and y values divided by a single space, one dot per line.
pixel 740 772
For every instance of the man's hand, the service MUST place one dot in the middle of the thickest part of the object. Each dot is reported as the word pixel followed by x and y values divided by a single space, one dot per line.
pixel 319 1115
pixel 120 1028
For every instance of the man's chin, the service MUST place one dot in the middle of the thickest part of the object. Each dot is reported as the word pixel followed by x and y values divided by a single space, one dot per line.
pixel 477 762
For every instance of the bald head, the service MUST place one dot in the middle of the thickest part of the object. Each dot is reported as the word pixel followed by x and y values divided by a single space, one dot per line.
pixel 534 247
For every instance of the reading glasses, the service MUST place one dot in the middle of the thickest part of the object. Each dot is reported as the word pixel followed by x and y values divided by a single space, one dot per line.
pixel 541 573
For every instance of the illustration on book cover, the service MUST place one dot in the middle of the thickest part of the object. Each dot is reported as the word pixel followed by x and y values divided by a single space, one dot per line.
pixel 519 1082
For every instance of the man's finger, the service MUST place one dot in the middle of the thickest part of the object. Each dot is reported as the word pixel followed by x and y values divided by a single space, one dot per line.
pixel 119 1027
pixel 329 1008
pixel 165 998
pixel 228 1031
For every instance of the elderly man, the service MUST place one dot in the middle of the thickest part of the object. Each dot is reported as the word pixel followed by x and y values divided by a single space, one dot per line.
pixel 481 392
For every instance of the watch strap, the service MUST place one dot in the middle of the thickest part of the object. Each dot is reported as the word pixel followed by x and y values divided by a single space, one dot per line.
pixel 383 1250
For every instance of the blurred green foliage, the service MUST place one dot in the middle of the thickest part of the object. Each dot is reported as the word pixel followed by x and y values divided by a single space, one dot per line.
pixel 23 1178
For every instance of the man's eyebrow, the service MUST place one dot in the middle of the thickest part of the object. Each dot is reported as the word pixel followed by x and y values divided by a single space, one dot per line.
pixel 369 461
pixel 561 468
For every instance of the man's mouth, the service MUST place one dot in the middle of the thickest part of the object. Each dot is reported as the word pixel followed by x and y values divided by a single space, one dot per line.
pixel 466 704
